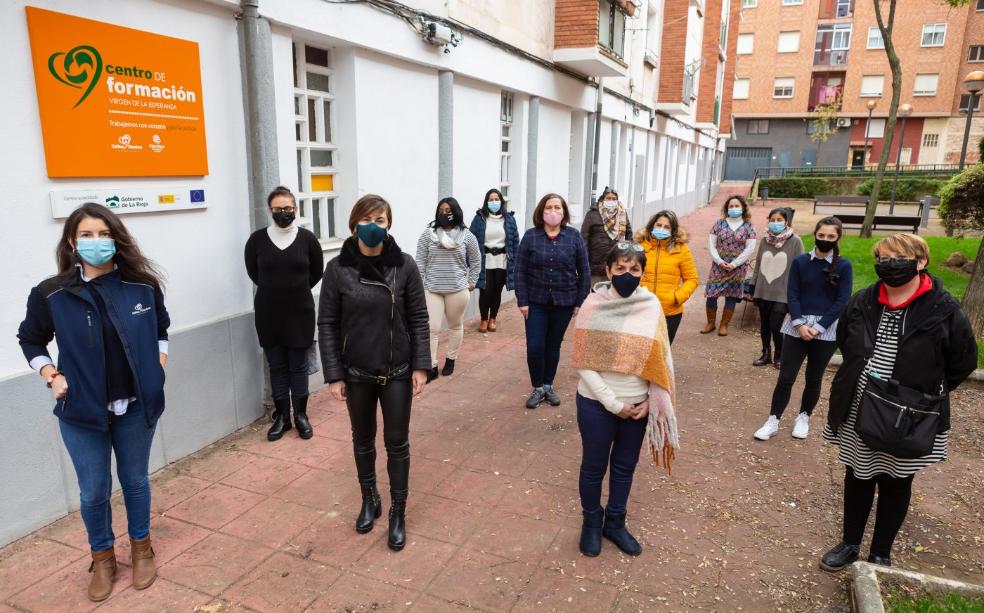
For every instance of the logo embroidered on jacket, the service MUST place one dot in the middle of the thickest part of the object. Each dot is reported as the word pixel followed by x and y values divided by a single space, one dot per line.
pixel 139 309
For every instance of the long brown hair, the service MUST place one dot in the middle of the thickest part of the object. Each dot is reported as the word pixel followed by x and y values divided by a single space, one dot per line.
pixel 833 277
pixel 132 264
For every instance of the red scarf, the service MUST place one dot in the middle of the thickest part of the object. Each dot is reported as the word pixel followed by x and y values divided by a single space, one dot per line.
pixel 925 284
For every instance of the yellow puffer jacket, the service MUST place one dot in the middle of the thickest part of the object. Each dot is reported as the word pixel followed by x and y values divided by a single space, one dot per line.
pixel 670 273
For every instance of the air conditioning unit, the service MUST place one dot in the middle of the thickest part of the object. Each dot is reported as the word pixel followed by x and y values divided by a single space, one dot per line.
pixel 651 58
pixel 843 122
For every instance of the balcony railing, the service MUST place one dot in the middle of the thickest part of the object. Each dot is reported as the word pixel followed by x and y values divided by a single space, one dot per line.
pixel 830 57
pixel 821 93
pixel 832 9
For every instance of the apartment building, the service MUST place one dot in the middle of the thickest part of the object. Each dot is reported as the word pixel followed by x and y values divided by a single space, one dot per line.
pixel 794 56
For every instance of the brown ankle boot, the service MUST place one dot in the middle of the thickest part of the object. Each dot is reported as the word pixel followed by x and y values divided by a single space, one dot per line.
pixel 103 569
pixel 142 557
pixel 725 320
pixel 484 326
pixel 711 318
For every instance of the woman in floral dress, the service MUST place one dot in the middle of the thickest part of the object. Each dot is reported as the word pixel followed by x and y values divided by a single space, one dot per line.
pixel 732 244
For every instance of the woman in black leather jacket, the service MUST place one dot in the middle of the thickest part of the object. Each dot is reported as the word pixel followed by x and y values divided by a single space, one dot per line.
pixel 375 347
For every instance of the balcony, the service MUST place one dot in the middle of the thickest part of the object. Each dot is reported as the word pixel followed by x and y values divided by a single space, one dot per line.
pixel 827 58
pixel 826 89
pixel 589 36
pixel 836 9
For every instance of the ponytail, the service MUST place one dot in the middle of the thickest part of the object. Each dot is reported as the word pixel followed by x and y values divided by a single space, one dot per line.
pixel 833 277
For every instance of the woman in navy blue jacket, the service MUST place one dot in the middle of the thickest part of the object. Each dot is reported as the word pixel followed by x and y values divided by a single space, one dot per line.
pixel 498 238
pixel 818 289
pixel 553 277
pixel 105 310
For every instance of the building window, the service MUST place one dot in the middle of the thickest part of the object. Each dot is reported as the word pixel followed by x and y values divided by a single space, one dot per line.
pixel 931 140
pixel 317 155
pixel 965 102
pixel 876 128
pixel 746 44
pixel 505 154
pixel 976 53
pixel 980 5
pixel 925 85
pixel 791 2
pixel 611 27
pixel 758 126
pixel 740 91
pixel 789 42
pixel 750 4
pixel 875 40
pixel 832 44
pixel 872 86
pixel 783 87
pixel 933 35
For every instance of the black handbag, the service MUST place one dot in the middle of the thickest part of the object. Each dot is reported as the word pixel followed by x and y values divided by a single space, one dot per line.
pixel 897 419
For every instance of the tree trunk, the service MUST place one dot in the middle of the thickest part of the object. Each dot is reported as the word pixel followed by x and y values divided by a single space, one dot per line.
pixel 973 300
pixel 896 66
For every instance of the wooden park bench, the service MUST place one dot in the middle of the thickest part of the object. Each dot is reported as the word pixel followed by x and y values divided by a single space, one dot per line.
pixel 857 219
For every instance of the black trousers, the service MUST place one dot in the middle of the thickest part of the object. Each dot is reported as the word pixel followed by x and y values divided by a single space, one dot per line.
pixel 395 399
pixel 817 354
pixel 771 315
pixel 673 324
pixel 288 371
pixel 893 505
pixel 490 296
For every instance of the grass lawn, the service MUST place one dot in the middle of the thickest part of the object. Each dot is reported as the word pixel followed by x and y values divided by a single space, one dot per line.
pixel 932 603
pixel 858 251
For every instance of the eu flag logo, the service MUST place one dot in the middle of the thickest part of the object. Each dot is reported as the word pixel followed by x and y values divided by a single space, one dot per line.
pixel 198 195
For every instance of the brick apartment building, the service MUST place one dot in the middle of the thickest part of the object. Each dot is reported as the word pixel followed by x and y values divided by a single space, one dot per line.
pixel 793 55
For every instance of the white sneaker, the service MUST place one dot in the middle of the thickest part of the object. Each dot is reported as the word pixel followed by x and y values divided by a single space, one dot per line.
pixel 801 427
pixel 769 430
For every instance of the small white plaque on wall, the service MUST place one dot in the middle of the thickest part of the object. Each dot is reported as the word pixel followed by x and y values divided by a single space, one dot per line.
pixel 129 200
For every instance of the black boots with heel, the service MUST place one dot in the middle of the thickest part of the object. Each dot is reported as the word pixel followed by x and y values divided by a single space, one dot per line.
pixel 281 419
pixel 304 429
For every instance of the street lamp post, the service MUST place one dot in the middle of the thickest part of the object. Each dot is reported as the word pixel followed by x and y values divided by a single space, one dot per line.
pixel 904 111
pixel 867 132
pixel 974 83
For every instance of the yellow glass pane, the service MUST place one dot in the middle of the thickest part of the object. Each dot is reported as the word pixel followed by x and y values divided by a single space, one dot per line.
pixel 322 183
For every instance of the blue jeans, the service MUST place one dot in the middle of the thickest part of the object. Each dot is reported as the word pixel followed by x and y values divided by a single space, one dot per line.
pixel 607 439
pixel 729 303
pixel 288 371
pixel 130 438
pixel 545 327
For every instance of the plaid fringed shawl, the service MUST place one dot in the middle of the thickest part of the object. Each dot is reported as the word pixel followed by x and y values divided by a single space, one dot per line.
pixel 629 336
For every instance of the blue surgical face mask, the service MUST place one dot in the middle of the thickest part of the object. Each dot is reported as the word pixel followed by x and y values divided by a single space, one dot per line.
pixel 661 234
pixel 625 284
pixel 96 251
pixel 776 227
pixel 370 234
pixel 494 206
pixel 734 212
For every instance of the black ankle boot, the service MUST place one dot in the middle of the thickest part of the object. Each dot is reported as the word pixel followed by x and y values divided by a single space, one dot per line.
pixel 590 544
pixel 372 508
pixel 304 429
pixel 281 419
pixel 614 530
pixel 765 359
pixel 880 560
pixel 397 525
pixel 839 557
pixel 432 374
pixel 448 369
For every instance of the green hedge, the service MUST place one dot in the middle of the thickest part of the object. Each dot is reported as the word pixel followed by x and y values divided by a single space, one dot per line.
pixel 907 190
pixel 799 187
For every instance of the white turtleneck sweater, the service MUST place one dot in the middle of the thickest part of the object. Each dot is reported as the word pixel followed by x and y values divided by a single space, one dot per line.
pixel 282 237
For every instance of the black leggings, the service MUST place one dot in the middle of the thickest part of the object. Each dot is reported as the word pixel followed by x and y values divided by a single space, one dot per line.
pixel 771 315
pixel 794 350
pixel 893 505
pixel 490 296
pixel 395 399
pixel 673 324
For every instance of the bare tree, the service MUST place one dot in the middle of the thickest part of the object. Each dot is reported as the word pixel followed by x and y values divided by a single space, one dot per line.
pixel 823 124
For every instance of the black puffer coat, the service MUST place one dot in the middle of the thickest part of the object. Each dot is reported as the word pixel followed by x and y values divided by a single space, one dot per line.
pixel 936 344
pixel 373 318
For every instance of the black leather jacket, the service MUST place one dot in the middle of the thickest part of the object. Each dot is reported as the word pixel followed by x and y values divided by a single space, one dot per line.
pixel 372 318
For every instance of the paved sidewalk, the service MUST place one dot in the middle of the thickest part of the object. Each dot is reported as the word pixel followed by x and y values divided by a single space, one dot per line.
pixel 493 518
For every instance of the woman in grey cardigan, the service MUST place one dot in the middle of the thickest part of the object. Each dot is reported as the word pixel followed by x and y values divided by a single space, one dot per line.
pixel 775 256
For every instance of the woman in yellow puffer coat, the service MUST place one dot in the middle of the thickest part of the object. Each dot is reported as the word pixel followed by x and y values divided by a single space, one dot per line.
pixel 670 270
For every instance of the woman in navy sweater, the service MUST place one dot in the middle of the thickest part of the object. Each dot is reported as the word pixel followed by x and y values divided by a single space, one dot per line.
pixel 553 278
pixel 819 286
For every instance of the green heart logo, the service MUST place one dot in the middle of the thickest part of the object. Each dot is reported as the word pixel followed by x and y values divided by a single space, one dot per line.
pixel 80 67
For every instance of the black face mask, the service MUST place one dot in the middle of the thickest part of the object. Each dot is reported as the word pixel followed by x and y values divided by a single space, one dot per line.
pixel 445 220
pixel 825 246
pixel 283 219
pixel 625 284
pixel 896 273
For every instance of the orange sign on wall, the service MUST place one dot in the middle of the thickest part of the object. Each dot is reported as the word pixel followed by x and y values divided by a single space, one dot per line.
pixel 116 102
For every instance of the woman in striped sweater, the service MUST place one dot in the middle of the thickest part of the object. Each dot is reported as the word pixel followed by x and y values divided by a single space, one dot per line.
pixel 449 260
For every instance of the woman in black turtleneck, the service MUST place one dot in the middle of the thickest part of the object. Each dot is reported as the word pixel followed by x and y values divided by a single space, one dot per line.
pixel 285 262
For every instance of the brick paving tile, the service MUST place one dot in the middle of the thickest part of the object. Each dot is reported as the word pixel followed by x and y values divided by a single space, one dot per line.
pixel 214 463
pixel 265 475
pixel 421 560
pixel 161 597
pixel 273 522
pixel 551 590
pixel 31 560
pixel 424 603
pixel 483 581
pixel 513 536
pixel 443 519
pixel 282 583
pixel 333 539
pixel 215 506
pixel 214 563
pixel 68 530
pixel 357 594
pixel 171 487
pixel 64 590
pixel 170 537
pixel 322 489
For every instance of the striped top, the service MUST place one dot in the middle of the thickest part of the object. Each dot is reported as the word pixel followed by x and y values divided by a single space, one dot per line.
pixel 450 261
pixel 853 452
pixel 813 321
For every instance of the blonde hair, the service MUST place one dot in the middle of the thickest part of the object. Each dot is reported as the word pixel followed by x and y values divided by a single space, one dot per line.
pixel 903 243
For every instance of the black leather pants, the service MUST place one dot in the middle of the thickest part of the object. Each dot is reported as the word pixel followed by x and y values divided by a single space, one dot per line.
pixel 395 399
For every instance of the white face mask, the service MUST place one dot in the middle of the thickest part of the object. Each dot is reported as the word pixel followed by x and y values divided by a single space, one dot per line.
pixel 610 204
